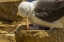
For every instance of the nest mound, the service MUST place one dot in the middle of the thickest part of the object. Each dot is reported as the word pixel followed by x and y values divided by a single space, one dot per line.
pixel 56 35
pixel 30 35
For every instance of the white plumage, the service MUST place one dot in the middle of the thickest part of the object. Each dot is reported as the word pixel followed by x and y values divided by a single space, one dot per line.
pixel 24 8
pixel 27 7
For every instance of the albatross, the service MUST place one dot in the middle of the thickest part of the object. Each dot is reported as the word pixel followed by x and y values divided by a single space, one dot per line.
pixel 43 13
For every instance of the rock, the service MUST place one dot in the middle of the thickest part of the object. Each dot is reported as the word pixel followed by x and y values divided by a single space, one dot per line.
pixel 3 32
pixel 8 0
pixel 10 34
pixel 56 35
pixel 8 11
pixel 7 38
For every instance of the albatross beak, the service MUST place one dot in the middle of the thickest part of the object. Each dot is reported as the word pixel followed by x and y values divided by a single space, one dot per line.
pixel 27 22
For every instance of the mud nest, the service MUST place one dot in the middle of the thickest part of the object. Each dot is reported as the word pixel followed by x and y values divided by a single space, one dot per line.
pixel 30 35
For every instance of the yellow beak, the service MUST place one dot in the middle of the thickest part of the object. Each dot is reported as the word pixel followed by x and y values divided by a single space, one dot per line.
pixel 27 22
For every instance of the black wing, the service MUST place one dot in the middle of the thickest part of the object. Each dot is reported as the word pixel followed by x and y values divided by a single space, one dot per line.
pixel 49 10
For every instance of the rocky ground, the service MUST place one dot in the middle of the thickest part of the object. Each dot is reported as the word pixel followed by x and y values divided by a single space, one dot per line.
pixel 56 35
pixel 11 33
pixel 7 31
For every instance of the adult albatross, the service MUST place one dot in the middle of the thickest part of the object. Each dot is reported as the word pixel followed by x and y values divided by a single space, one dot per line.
pixel 43 13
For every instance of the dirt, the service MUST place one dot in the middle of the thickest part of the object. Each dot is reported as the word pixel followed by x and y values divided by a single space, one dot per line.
pixel 7 31
pixel 56 35
pixel 5 38
pixel 8 0
pixel 13 29
pixel 9 20
pixel 10 33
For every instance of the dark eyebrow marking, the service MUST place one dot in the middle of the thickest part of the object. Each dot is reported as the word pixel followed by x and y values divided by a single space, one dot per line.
pixel 28 11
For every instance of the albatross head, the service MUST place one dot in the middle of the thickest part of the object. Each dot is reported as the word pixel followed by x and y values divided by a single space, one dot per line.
pixel 25 9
